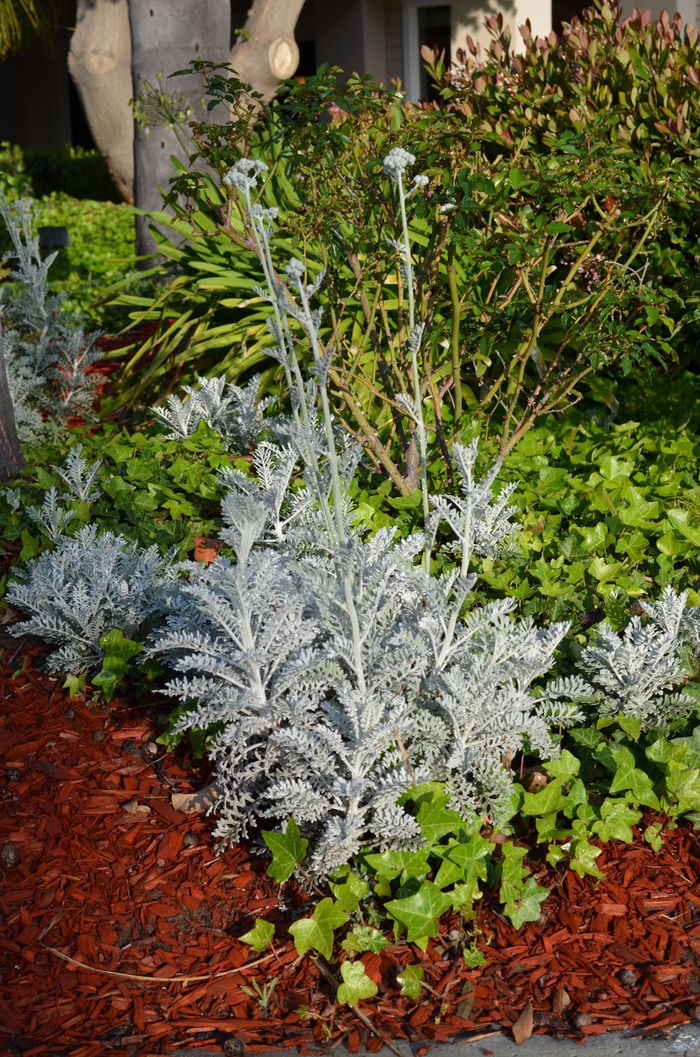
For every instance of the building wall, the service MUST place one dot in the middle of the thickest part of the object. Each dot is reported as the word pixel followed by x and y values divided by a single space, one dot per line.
pixel 689 10
pixel 393 48
pixel 468 18
pixel 351 34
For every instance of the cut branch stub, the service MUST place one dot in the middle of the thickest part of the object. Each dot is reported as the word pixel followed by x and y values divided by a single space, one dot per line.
pixel 266 51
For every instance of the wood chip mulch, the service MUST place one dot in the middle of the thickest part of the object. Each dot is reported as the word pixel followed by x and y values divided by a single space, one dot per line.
pixel 143 899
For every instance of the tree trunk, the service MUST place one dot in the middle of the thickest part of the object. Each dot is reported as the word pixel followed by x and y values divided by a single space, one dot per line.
pixel 266 51
pixel 11 458
pixel 99 61
pixel 165 36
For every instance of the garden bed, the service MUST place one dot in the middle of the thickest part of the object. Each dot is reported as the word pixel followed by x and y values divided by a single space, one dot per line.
pixel 120 892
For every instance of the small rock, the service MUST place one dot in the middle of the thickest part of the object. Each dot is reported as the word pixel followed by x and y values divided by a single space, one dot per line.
pixel 234 1047
pixel 150 748
pixel 9 855
pixel 687 956
pixel 130 748
pixel 627 977
pixel 190 840
pixel 99 735
pixel 582 1020
pixel 693 983
pixel 70 713
pixel 694 1014
pixel 12 774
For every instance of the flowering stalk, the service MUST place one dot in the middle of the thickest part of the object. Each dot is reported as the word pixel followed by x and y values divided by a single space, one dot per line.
pixel 309 320
pixel 243 177
pixel 395 164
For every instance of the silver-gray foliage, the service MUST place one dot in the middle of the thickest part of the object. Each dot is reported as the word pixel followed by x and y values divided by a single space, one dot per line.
pixel 82 589
pixel 339 668
pixel 47 353
pixel 233 411
pixel 83 483
pixel 636 673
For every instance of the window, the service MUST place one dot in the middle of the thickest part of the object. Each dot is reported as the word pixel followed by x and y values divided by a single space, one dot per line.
pixel 433 30
pixel 564 11
pixel 425 23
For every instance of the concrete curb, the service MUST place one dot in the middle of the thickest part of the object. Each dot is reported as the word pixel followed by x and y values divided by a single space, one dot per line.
pixel 682 1042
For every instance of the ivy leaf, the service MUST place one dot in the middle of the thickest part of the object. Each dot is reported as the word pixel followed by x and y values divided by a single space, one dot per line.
pixel 555 855
pixel 627 776
pixel 616 821
pixel 567 766
pixel 287 850
pixel 630 725
pixel 448 874
pixel 364 938
pixel 527 906
pixel 472 858
pixel 420 912
pixel 576 798
pixel 549 798
pixel 115 663
pixel 116 646
pixel 511 869
pixel 437 820
pixel 74 684
pixel 260 937
pixel 317 931
pixel 350 892
pixel 473 956
pixel 652 835
pixel 663 751
pixel 547 829
pixel 411 980
pixel 31 546
pixel 583 862
pixel 356 984
pixel 521 902
pixel 392 863
pixel 683 786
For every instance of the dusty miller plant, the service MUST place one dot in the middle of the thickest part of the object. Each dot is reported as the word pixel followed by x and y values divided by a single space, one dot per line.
pixel 233 411
pixel 83 588
pixel 635 673
pixel 47 353
pixel 339 670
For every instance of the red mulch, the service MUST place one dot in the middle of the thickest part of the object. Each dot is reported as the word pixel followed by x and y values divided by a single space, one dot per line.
pixel 119 892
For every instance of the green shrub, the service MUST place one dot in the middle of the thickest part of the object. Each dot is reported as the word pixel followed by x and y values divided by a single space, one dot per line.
pixel 101 252
pixel 634 81
pixel 528 283
pixel 14 180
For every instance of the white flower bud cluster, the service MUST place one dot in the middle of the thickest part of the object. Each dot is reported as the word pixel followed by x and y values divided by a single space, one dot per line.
pixel 396 163
pixel 243 176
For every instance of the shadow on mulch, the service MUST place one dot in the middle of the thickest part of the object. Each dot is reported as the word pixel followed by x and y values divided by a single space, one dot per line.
pixel 107 875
